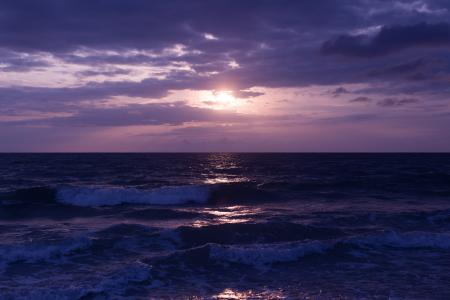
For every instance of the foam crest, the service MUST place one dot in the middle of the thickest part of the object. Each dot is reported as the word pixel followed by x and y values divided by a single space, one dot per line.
pixel 92 196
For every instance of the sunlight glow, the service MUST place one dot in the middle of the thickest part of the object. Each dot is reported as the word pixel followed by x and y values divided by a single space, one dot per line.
pixel 249 294
pixel 228 215
pixel 224 100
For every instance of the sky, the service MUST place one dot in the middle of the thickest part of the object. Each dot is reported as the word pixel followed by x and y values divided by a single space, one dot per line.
pixel 251 76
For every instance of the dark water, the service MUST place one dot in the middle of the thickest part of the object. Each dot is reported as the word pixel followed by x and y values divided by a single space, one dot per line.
pixel 224 226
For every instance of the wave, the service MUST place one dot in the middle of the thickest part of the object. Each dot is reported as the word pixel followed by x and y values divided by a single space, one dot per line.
pixel 42 251
pixel 112 284
pixel 257 245
pixel 125 239
pixel 415 239
pixel 267 254
pixel 245 233
pixel 106 241
pixel 404 220
pixel 161 214
pixel 91 196
pixel 260 255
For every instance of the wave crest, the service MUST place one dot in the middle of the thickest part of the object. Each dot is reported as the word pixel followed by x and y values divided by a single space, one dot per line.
pixel 259 255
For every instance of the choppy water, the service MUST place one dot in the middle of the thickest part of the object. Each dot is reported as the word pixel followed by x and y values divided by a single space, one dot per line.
pixel 224 226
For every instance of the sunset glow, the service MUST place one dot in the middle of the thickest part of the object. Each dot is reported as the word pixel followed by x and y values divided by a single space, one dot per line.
pixel 279 79
pixel 224 99
pixel 224 149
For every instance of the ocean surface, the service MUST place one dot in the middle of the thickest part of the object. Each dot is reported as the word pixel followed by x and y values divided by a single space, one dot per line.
pixel 224 226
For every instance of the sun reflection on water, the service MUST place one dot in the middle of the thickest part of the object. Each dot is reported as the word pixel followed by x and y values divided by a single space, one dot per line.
pixel 223 180
pixel 228 215
pixel 223 168
pixel 245 295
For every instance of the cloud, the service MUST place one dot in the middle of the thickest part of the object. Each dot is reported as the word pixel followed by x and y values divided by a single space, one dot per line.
pixel 103 72
pixel 76 57
pixel 352 118
pixel 339 91
pixel 247 94
pixel 400 69
pixel 386 102
pixel 61 26
pixel 45 97
pixel 390 39
pixel 420 7
pixel 174 113
pixel 361 99
pixel 275 46
pixel 404 9
pixel 393 102
pixel 18 62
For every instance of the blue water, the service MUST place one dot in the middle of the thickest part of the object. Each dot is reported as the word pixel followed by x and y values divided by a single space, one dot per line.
pixel 224 226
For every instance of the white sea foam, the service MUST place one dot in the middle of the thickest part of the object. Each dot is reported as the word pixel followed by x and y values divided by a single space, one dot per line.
pixel 93 196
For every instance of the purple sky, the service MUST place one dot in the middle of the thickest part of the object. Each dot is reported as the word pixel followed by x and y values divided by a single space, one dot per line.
pixel 138 75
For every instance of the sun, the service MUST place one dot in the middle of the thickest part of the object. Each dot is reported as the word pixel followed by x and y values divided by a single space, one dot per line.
pixel 224 97
pixel 220 100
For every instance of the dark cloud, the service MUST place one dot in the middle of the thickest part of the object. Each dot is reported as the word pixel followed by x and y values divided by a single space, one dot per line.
pixel 390 39
pixel 175 113
pixel 247 94
pixel 53 25
pixel 361 99
pixel 353 118
pixel 257 44
pixel 265 37
pixel 393 102
pixel 339 91
pixel 400 69
pixel 386 102
pixel 274 43
pixel 207 102
pixel 44 98
pixel 104 72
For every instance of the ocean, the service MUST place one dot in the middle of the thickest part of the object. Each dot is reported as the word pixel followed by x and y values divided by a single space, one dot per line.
pixel 224 226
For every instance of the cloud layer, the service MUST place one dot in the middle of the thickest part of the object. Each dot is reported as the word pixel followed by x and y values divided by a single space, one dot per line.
pixel 111 65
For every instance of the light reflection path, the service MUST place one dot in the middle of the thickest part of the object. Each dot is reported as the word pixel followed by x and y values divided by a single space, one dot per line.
pixel 249 294
pixel 228 215
pixel 223 168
